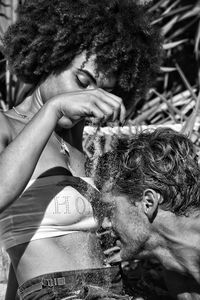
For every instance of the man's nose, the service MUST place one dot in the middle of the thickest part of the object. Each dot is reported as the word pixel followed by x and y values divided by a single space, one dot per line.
pixel 106 223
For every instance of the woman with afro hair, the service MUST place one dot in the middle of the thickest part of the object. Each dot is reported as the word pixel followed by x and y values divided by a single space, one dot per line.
pixel 83 59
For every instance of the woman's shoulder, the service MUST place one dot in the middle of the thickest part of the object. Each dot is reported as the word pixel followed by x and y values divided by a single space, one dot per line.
pixel 5 130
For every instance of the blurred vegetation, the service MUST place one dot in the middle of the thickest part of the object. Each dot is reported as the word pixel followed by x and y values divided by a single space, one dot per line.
pixel 175 92
pixel 8 83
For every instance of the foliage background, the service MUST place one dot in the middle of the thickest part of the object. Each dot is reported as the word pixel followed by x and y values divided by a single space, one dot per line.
pixel 174 98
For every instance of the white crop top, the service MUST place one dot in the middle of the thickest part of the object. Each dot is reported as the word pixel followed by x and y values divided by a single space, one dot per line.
pixel 50 206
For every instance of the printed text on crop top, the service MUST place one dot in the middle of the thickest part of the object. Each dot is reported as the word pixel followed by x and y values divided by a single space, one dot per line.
pixel 50 206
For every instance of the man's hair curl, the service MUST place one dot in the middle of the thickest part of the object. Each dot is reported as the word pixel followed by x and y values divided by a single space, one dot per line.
pixel 50 33
pixel 162 160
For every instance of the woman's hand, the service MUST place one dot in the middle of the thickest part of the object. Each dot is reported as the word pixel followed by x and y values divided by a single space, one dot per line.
pixel 95 103
pixel 70 108
pixel 113 255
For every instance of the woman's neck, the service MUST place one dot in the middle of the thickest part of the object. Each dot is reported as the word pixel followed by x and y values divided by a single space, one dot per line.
pixel 32 104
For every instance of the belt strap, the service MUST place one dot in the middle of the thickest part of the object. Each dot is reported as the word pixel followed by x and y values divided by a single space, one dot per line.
pixel 42 282
pixel 27 291
pixel 59 281
pixel 54 281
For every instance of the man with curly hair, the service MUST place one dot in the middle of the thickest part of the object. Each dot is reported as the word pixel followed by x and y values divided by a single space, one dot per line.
pixel 83 59
pixel 151 196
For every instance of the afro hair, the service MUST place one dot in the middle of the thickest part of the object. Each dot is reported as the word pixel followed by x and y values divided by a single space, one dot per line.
pixel 50 33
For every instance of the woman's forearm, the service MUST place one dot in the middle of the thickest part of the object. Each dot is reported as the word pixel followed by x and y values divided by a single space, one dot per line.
pixel 19 158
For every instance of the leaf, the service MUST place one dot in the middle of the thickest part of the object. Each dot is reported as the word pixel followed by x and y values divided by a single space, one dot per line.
pixel 167 69
pixel 143 116
pixel 189 124
pixel 169 25
pixel 170 7
pixel 181 30
pixel 158 4
pixel 197 42
pixel 156 21
pixel 171 107
pixel 185 81
pixel 191 13
pixel 173 44
pixel 2 60
pixel 177 11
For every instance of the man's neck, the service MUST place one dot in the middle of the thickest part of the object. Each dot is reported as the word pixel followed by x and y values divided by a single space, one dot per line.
pixel 175 242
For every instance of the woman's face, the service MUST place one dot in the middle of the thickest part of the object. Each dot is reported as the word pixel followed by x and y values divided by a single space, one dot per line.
pixel 76 77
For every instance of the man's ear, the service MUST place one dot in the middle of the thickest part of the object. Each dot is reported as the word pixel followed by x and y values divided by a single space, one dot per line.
pixel 150 202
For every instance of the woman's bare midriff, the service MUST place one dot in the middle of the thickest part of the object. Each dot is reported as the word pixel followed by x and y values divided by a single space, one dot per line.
pixel 74 251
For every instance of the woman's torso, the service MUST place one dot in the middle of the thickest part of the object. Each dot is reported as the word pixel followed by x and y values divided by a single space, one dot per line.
pixel 78 250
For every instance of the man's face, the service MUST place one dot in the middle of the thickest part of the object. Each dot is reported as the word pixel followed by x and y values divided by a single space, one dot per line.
pixel 128 224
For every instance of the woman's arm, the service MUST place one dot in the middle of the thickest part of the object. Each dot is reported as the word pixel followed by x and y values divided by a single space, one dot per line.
pixel 18 160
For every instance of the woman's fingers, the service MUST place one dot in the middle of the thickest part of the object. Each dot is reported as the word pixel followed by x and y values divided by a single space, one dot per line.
pixel 94 110
pixel 115 258
pixel 119 111
pixel 122 113
pixel 95 103
pixel 109 112
pixel 111 250
pixel 111 105
pixel 113 255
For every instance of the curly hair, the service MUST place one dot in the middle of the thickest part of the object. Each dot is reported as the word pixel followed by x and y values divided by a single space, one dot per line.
pixel 163 160
pixel 50 33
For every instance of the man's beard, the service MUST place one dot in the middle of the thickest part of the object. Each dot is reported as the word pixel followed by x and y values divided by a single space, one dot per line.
pixel 133 250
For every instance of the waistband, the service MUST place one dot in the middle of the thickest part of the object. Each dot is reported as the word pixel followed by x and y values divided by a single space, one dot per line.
pixel 73 280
